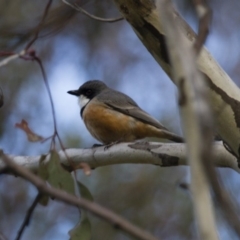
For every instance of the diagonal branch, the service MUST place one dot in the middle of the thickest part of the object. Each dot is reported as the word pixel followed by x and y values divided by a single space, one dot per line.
pixel 90 206
pixel 205 15
pixel 12 57
pixel 28 216
pixel 78 8
pixel 224 94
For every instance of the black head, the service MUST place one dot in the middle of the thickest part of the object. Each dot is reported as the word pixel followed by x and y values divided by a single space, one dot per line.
pixel 89 89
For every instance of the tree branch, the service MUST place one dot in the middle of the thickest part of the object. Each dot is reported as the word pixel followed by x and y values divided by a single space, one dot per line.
pixel 12 57
pixel 78 8
pixel 90 206
pixel 224 94
pixel 196 119
pixel 28 216
pixel 161 154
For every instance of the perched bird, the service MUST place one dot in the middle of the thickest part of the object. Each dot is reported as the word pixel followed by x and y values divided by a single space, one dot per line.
pixel 111 116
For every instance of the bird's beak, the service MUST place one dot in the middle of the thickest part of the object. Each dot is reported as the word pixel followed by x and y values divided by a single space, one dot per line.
pixel 74 92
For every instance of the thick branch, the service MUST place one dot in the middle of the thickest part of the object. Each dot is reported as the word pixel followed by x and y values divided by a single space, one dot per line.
pixel 161 154
pixel 224 94
pixel 196 119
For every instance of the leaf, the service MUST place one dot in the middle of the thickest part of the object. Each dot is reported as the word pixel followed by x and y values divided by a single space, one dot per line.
pixel 82 231
pixel 42 170
pixel 84 192
pixel 32 137
pixel 43 173
pixel 58 177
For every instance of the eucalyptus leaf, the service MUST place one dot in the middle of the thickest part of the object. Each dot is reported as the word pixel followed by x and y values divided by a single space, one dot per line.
pixel 82 231
pixel 84 192
pixel 58 177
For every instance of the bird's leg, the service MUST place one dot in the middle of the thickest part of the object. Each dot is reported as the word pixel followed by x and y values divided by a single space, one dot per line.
pixel 96 145
pixel 106 147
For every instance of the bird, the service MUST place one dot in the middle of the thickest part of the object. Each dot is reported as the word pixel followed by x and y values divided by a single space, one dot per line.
pixel 112 116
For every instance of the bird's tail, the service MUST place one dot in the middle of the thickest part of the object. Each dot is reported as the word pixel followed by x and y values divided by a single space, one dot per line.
pixel 172 137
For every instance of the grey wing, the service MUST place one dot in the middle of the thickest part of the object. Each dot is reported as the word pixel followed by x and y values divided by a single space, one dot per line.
pixel 126 105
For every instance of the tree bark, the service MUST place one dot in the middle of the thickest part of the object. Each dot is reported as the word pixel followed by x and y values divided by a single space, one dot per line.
pixel 160 154
pixel 225 95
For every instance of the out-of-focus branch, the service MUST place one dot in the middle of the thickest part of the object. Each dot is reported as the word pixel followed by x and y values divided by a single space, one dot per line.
pixel 26 52
pixel 40 25
pixel 90 206
pixel 12 57
pixel 28 216
pixel 2 237
pixel 205 15
pixel 161 154
pixel 196 119
pixel 78 8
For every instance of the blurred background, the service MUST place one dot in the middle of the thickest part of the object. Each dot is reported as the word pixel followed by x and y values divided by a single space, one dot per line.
pixel 74 49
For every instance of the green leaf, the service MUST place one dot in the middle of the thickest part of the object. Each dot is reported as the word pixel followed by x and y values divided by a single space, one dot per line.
pixel 43 173
pixel 82 231
pixel 58 177
pixel 84 192
pixel 42 170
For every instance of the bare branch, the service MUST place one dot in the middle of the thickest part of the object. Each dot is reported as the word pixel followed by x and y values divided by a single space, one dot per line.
pixel 224 94
pixel 160 154
pixel 12 57
pixel 205 15
pixel 196 119
pixel 28 216
pixel 30 54
pixel 38 28
pixel 78 8
pixel 24 52
pixel 90 206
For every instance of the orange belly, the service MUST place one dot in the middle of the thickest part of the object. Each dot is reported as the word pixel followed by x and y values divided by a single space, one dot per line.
pixel 108 125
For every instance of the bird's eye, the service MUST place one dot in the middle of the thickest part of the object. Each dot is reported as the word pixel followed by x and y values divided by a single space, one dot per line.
pixel 88 92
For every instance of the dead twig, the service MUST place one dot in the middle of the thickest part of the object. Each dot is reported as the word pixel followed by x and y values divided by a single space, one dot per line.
pixel 28 216
pixel 205 15
pixel 78 8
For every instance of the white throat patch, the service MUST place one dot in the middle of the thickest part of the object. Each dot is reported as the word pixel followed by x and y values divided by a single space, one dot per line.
pixel 82 101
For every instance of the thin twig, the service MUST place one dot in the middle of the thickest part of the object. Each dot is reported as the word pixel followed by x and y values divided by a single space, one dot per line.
pixel 205 15
pixel 12 57
pixel 78 8
pixel 28 216
pixel 55 133
pixel 228 207
pixel 38 60
pixel 92 207
pixel 38 28
pixel 30 54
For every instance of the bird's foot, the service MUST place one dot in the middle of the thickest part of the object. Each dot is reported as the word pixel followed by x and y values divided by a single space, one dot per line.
pixel 96 145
